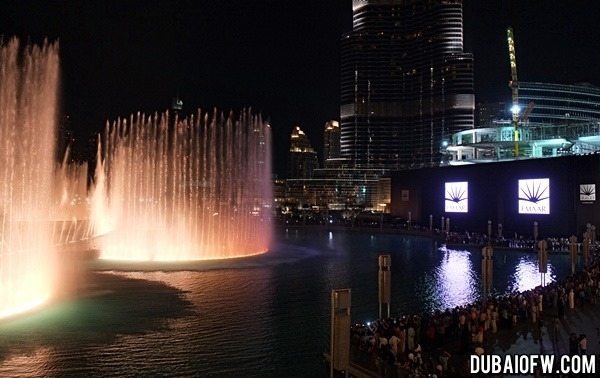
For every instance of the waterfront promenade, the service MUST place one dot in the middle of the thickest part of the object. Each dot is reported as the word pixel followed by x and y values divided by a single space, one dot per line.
pixel 451 239
pixel 529 339
pixel 541 320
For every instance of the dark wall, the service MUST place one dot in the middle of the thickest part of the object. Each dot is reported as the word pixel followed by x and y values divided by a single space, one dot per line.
pixel 493 195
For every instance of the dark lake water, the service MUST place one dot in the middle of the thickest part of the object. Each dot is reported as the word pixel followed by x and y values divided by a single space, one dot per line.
pixel 261 316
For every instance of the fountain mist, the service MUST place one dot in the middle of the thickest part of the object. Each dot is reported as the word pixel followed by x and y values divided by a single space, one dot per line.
pixel 28 104
pixel 170 189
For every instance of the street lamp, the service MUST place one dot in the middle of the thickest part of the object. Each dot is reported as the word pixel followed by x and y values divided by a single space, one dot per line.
pixel 515 109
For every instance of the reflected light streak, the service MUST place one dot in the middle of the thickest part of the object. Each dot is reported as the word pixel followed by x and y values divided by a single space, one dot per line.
pixel 455 278
pixel 171 256
pixel 29 301
pixel 330 241
pixel 37 364
pixel 527 275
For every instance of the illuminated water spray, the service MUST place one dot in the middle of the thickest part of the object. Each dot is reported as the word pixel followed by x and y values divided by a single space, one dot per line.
pixel 184 189
pixel 28 103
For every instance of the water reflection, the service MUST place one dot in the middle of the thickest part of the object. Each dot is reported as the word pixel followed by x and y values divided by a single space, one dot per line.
pixel 527 275
pixel 455 278
pixel 261 316
pixel 35 364
pixel 226 305
pixel 98 326
pixel 458 280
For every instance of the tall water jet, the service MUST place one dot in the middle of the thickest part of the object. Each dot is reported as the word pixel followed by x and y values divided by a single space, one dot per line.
pixel 70 215
pixel 184 189
pixel 28 103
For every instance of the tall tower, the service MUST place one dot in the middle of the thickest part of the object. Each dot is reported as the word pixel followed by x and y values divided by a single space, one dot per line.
pixel 331 140
pixel 303 158
pixel 406 84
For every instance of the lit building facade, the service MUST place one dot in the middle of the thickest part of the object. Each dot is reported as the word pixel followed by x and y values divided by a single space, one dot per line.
pixel 560 120
pixel 303 158
pixel 331 140
pixel 337 188
pixel 556 104
pixel 406 84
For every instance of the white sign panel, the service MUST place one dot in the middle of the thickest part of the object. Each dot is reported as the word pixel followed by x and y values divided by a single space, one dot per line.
pixel 587 192
pixel 534 196
pixel 456 197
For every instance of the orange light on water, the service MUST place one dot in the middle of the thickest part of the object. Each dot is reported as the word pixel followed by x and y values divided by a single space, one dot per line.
pixel 116 255
pixel 29 290
pixel 25 305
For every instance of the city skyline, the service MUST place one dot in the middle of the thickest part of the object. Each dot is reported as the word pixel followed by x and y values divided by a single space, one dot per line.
pixel 282 59
pixel 171 166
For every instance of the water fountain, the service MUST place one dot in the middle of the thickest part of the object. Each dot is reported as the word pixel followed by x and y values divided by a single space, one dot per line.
pixel 28 103
pixel 71 205
pixel 170 189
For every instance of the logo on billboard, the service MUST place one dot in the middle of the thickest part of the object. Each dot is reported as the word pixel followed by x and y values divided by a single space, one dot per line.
pixel 456 198
pixel 587 192
pixel 534 196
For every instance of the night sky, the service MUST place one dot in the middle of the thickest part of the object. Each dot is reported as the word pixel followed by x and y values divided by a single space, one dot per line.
pixel 280 57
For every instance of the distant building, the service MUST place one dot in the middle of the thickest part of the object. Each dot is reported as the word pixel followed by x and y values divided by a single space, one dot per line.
pixel 177 104
pixel 487 112
pixel 331 140
pixel 383 195
pixel 406 83
pixel 556 104
pixel 279 192
pixel 557 120
pixel 337 188
pixel 303 158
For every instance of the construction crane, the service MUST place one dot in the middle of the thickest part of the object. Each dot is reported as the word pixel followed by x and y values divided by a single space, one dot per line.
pixel 514 86
pixel 527 112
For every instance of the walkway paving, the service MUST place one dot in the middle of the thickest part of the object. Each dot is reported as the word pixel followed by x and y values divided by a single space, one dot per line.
pixel 530 339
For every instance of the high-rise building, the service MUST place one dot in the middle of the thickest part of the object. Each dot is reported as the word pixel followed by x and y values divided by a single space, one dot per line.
pixel 406 84
pixel 331 140
pixel 303 158
pixel 560 103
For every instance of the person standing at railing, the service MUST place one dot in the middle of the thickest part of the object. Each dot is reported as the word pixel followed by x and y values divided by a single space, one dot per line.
pixel 582 344
pixel 571 299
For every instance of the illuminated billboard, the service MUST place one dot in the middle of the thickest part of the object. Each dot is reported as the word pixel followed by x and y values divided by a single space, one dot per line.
pixel 534 196
pixel 587 192
pixel 456 197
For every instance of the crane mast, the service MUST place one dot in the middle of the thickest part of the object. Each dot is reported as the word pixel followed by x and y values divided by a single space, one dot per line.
pixel 514 86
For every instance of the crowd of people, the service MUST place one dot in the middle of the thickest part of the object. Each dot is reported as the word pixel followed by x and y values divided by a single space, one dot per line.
pixel 467 238
pixel 425 344
pixel 516 242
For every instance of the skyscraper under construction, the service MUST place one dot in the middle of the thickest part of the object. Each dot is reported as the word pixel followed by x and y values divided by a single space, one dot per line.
pixel 406 84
